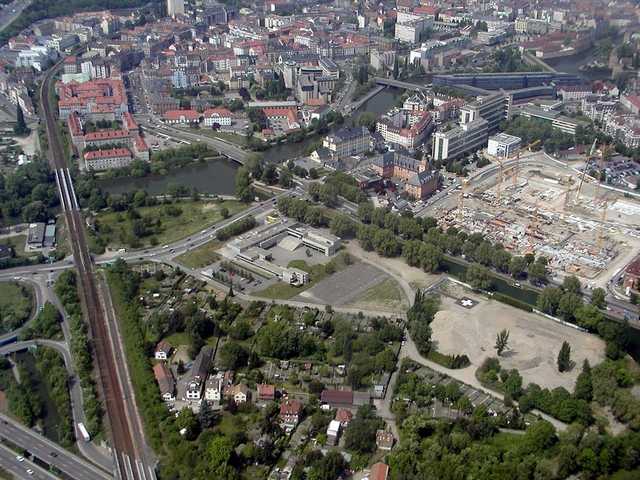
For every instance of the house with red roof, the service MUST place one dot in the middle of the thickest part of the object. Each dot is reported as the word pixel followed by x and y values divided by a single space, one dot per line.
pixel 290 413
pixel 106 159
pixel 266 392
pixel 220 116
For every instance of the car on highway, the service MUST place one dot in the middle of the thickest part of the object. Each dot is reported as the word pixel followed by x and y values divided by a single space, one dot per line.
pixel 29 471
pixel 20 458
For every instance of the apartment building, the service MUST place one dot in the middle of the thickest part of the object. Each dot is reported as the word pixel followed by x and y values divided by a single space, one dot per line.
pixel 407 128
pixel 503 145
pixel 106 159
pixel 495 109
pixel 103 99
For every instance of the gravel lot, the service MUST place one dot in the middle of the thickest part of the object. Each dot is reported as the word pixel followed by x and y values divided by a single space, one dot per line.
pixel 534 341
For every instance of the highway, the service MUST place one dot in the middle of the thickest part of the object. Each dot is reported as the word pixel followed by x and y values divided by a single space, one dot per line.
pixel 18 468
pixel 132 457
pixel 42 448
pixel 11 11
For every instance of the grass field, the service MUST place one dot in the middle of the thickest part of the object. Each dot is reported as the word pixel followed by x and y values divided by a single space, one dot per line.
pixel 163 223
pixel 17 243
pixel 202 256
pixel 239 140
pixel 16 303
pixel 386 295
pixel 318 272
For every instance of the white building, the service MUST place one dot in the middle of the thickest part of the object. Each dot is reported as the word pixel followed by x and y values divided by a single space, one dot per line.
pixel 503 145
pixel 213 388
pixel 457 141
pixel 220 116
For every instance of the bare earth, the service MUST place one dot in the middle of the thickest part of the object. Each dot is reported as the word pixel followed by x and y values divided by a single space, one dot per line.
pixel 534 341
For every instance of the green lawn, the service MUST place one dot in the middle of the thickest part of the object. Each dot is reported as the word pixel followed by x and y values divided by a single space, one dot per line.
pixel 386 294
pixel 162 223
pixel 202 256
pixel 239 140
pixel 178 338
pixel 17 243
pixel 317 273
pixel 16 303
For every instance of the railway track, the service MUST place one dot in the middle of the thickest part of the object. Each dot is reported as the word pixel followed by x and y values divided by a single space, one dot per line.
pixel 127 440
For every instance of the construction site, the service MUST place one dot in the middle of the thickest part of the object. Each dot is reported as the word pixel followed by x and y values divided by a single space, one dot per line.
pixel 533 203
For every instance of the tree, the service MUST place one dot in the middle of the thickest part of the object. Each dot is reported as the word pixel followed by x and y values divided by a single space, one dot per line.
pixel 360 435
pixel 564 357
pixel 572 284
pixel 233 356
pixel 396 69
pixel 479 277
pixel 270 174
pixel 367 119
pixel 188 422
pixel 584 385
pixel 517 266
pixel 502 339
pixel 549 299
pixel 537 272
pixel 224 212
pixel 20 127
pixel 207 416
pixel 598 298
pixel 244 189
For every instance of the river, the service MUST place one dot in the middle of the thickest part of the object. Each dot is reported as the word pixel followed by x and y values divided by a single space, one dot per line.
pixel 218 176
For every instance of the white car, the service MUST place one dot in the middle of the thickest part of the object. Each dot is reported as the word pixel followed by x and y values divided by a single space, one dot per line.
pixel 20 458
pixel 29 471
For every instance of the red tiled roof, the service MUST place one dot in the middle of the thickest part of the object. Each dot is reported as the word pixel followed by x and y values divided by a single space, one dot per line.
pixel 140 143
pixel 108 153
pixel 106 135
pixel 265 390
pixel 217 112
pixel 291 407
pixel 633 268
pixel 337 396
pixel 190 115
pixel 379 471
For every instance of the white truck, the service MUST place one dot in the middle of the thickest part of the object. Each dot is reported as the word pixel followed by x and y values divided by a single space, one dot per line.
pixel 84 432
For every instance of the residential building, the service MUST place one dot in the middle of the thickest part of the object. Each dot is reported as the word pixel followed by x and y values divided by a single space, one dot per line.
pixel 407 128
pixel 333 433
pixel 220 116
pixel 103 99
pixel 163 350
pixel 379 471
pixel 165 380
pixel 343 416
pixel 631 103
pixel 503 145
pixel 625 128
pixel 213 388
pixel 290 412
pixel 266 392
pixel 348 141
pixel 239 393
pixel 384 440
pixel 198 374
pixel 460 140
pixel 574 92
pixel 108 158
pixel 597 107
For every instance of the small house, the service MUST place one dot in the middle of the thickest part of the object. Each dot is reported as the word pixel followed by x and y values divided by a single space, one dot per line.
pixel 384 440
pixel 333 433
pixel 344 416
pixel 266 392
pixel 238 393
pixel 337 398
pixel 163 350
pixel 290 412
pixel 379 471
pixel 165 382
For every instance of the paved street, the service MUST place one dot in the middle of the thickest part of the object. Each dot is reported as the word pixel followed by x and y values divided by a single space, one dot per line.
pixel 43 448
pixel 10 462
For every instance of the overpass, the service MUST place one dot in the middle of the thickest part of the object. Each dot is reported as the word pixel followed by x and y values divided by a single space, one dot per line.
pixel 390 82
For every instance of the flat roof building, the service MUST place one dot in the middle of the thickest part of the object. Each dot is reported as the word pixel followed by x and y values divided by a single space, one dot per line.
pixel 503 145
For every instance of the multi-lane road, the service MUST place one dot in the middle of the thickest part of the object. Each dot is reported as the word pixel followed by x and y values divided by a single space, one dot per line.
pixel 49 452
pixel 22 468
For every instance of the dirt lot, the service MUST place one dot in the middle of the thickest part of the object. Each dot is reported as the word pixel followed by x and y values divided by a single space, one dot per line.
pixel 534 341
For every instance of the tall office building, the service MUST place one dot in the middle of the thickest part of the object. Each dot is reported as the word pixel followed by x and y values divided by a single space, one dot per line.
pixel 175 7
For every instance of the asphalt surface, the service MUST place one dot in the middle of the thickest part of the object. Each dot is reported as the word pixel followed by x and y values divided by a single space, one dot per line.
pixel 11 11
pixel 9 461
pixel 42 448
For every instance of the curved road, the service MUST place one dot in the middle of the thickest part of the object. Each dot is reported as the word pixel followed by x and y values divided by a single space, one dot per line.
pixel 88 450
pixel 39 303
